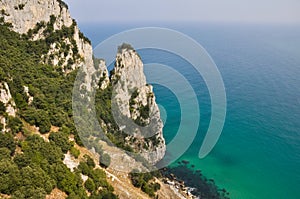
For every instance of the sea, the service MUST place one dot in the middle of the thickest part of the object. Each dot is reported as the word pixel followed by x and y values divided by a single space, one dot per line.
pixel 258 153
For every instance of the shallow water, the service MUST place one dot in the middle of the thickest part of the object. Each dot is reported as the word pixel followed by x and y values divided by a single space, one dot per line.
pixel 258 154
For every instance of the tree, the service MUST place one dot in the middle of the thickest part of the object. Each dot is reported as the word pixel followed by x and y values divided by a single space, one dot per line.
pixel 7 140
pixel 34 176
pixel 29 192
pixel 90 162
pixel 90 185
pixel 61 140
pixel 15 124
pixel 99 178
pixel 84 168
pixel 105 160
pixel 75 152
pixel 22 160
pixel 42 121
pixel 2 108
pixel 4 153
pixel 9 177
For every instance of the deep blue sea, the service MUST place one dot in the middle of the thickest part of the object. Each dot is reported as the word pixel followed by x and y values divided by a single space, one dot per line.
pixel 258 153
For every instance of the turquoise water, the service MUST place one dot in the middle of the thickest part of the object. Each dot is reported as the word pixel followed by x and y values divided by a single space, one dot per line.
pixel 258 154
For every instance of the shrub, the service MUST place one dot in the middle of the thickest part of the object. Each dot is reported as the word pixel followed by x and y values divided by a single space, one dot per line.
pixel 75 152
pixel 90 162
pixel 105 160
pixel 90 185
pixel 61 140
pixel 7 140
pixel 2 108
pixel 15 124
pixel 84 168
pixel 4 153
pixel 143 181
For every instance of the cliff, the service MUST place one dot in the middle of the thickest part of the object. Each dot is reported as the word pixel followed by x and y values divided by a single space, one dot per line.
pixel 7 106
pixel 50 20
pixel 137 110
pixel 42 47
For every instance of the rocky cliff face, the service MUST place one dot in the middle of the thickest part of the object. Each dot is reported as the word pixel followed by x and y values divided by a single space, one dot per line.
pixel 8 104
pixel 139 113
pixel 24 14
pixel 50 21
pixel 40 19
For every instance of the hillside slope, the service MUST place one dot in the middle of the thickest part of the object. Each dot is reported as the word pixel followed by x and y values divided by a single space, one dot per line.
pixel 41 52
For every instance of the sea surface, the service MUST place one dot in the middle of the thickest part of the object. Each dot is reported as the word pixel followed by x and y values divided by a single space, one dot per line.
pixel 258 153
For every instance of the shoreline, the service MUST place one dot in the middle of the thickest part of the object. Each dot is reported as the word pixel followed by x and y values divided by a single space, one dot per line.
pixel 191 183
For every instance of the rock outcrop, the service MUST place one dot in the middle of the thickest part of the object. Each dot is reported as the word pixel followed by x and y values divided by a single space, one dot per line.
pixel 38 19
pixel 8 104
pixel 136 110
pixel 7 100
pixel 24 14
pixel 68 48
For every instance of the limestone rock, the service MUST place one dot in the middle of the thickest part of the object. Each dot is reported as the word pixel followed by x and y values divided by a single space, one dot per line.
pixel 136 101
pixel 7 100
pixel 104 78
pixel 24 14
pixel 30 98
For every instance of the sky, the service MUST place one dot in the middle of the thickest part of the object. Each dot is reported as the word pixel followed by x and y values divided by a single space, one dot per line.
pixel 243 11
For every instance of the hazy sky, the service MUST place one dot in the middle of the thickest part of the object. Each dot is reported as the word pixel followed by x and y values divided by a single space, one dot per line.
pixel 250 11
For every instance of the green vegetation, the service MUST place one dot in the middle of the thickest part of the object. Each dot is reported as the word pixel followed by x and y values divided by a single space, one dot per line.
pixel 15 124
pixel 62 4
pixel 30 166
pixel 103 108
pixel 52 91
pixel 143 110
pixel 61 140
pixel 58 37
pixel 105 160
pixel 125 46
pixel 2 108
pixel 90 185
pixel 145 181
pixel 74 152
pixel 7 141
pixel 96 180
pixel 132 99
pixel 38 168
pixel 81 36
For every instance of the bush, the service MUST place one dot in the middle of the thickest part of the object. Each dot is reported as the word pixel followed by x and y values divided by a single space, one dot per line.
pixel 4 153
pixel 9 173
pixel 143 181
pixel 84 168
pixel 7 140
pixel 105 160
pixel 90 185
pixel 125 46
pixel 29 192
pixel 61 140
pixel 39 168
pixel 2 108
pixel 90 162
pixel 15 124
pixel 75 152
pixel 44 127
